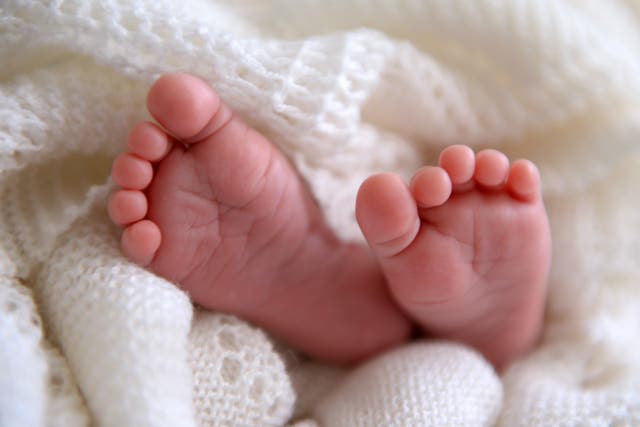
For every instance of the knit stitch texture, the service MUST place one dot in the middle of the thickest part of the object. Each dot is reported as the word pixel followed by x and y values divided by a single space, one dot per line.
pixel 346 89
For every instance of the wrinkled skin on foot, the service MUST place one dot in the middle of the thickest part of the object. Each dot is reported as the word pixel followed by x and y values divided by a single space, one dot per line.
pixel 210 204
pixel 465 248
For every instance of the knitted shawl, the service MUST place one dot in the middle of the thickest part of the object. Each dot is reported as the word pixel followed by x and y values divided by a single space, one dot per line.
pixel 346 89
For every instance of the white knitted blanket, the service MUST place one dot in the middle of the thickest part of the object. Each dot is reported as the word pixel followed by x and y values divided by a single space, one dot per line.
pixel 346 88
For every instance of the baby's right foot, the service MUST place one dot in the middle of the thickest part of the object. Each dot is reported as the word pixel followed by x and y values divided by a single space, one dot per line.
pixel 211 205
pixel 465 248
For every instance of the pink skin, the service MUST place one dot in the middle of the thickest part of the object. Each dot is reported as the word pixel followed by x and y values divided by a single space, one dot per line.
pixel 211 205
pixel 224 215
pixel 465 248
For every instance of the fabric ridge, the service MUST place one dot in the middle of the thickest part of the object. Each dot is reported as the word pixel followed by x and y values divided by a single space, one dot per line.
pixel 346 89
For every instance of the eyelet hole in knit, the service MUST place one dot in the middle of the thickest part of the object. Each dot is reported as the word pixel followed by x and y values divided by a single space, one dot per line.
pixel 230 370
pixel 257 389
pixel 11 306
pixel 228 341
pixel 130 23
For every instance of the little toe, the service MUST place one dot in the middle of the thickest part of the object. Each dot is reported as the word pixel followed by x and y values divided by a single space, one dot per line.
pixel 492 167
pixel 127 206
pixel 186 106
pixel 149 142
pixel 459 162
pixel 387 214
pixel 430 186
pixel 524 180
pixel 131 172
pixel 140 241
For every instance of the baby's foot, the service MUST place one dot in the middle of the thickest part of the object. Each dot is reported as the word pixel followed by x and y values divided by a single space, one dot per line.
pixel 465 248
pixel 210 204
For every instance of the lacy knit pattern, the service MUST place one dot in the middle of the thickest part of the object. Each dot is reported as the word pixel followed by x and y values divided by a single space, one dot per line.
pixel 345 89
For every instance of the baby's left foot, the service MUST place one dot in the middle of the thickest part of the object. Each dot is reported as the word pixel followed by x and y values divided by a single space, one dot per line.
pixel 465 248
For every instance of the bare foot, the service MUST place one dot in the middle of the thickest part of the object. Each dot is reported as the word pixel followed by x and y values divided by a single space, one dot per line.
pixel 211 205
pixel 465 248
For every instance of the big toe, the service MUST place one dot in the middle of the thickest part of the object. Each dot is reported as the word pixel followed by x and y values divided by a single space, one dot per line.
pixel 387 214
pixel 183 104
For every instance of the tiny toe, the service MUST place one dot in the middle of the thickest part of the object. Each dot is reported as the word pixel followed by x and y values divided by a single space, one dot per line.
pixel 148 142
pixel 131 172
pixel 387 214
pixel 430 186
pixel 492 167
pixel 140 241
pixel 183 104
pixel 127 206
pixel 459 162
pixel 524 180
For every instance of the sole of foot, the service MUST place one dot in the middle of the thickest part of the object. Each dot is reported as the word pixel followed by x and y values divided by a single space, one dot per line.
pixel 210 204
pixel 465 248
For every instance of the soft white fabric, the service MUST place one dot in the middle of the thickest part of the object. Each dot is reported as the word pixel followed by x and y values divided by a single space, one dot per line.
pixel 455 388
pixel 24 367
pixel 346 89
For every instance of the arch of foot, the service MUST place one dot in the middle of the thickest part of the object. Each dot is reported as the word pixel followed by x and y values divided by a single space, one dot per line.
pixel 425 384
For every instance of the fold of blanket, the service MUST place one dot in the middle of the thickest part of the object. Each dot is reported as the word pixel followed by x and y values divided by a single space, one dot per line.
pixel 346 89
